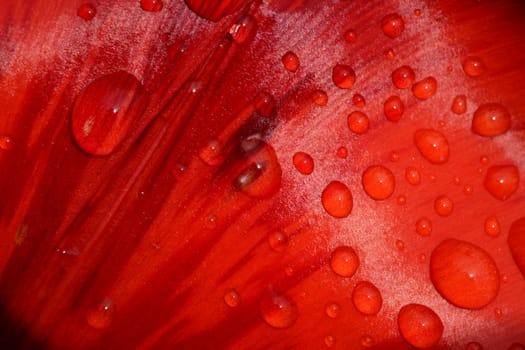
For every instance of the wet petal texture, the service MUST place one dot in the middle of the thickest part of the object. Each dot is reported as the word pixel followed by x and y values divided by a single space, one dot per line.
pixel 170 182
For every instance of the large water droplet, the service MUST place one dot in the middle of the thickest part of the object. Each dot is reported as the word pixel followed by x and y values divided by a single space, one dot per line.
pixel 403 77
pixel 337 199
pixel 367 298
pixel 516 243
pixel 378 182
pixel 303 162
pixel 425 88
pixel 502 181
pixel 343 76
pixel 432 145
pixel 464 274
pixel 278 310
pixel 491 119
pixel 419 325
pixel 473 66
pixel 393 25
pixel 358 122
pixel 151 5
pixel 105 111
pixel 344 261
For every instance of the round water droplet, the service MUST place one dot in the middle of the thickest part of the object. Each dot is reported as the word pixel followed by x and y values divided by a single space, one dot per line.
pixel 474 346
pixel 400 245
pixel 333 310
pixel 459 104
pixel 329 341
pixel 378 182
pixel 464 274
pixel 492 227
pixel 412 176
pixel 151 5
pixel 393 108
pixel 104 112
pixel 502 181
pixel 358 100
pixel 343 76
pixel 278 310
pixel 358 122
pixel 425 88
pixel 417 12
pixel 342 152
pixel 244 30
pixel 344 261
pixel 211 153
pixel 401 200
pixel 303 162
pixel 393 25
pixel 484 160
pixel 6 143
pixel 491 119
pixel 101 316
pixel 232 298
pixel 443 206
pixel 389 54
pixel 432 145
pixel 473 66
pixel 265 104
pixel 87 11
pixel 422 258
pixel 278 241
pixel 337 199
pixel 394 156
pixel 424 226
pixel 320 97
pixel 290 61
pixel 350 36
pixel 403 77
pixel 516 243
pixel 367 341
pixel 419 325
pixel 367 298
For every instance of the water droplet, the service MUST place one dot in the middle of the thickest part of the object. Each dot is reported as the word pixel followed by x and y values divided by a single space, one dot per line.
pixel 484 160
pixel 400 245
pixel 290 61
pixel 419 325
pixel 401 200
pixel 412 176
pixel 104 112
pixel 358 100
pixel 151 5
pixel 212 153
pixel 289 271
pixel 473 66
pixel 337 199
pixel 417 12
pixel 278 311
pixel 278 241
pixel 320 97
pixel 443 206
pixel 350 36
pixel 342 152
pixel 516 243
pixel 474 346
pixel 265 104
pixel 329 341
pixel 101 316
pixel 422 258
pixel 393 25
pixel 394 157
pixel 232 298
pixel 491 119
pixel 424 226
pixel 432 145
pixel 425 88
pixel 87 11
pixel 303 162
pixel 459 104
pixel 389 54
pixel 378 182
pixel 344 261
pixel 244 30
pixel 492 227
pixel 464 274
pixel 333 310
pixel 358 122
pixel 367 341
pixel 179 170
pixel 6 143
pixel 403 77
pixel 393 108
pixel 502 181
pixel 468 190
pixel 343 76
pixel 498 313
pixel 367 298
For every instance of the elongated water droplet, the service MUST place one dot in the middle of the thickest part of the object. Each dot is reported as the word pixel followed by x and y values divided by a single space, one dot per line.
pixel 432 145
pixel 303 162
pixel 367 298
pixel 419 325
pixel 393 108
pixel 459 104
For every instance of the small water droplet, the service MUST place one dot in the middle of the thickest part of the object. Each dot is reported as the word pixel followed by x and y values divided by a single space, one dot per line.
pixel 344 261
pixel 459 104
pixel 265 104
pixel 290 61
pixel 393 25
pixel 151 5
pixel 367 298
pixel 87 11
pixel 400 245
pixel 278 310
pixel 424 226
pixel 498 312
pixel 458 266
pixel 329 341
pixel 350 36
pixel 432 145
pixel 501 181
pixel 6 143
pixel 394 157
pixel 333 310
pixel 425 88
pixel 343 76
pixel 278 241
pixel 412 176
pixel 473 66
pixel 491 119
pixel 419 325
pixel 179 170
pixel 358 100
pixel 244 30
pixel 303 162
pixel 358 122
pixel 393 108
pixel 378 182
pixel 422 258
pixel 101 316
pixel 492 227
pixel 232 298
pixel 417 12
pixel 367 341
pixel 342 152
pixel 320 97
pixel 211 153
pixel 403 77
pixel 484 160
pixel 443 205
pixel 337 199
pixel 401 200
pixel 389 54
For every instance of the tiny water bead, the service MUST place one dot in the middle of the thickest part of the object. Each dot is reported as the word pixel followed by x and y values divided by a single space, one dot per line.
pixel 459 104
pixel 337 199
pixel 101 316
pixel 464 274
pixel 474 346
pixel 151 5
pixel 443 206
pixel 492 226
pixel 425 88
pixel 105 111
pixel 329 341
pixel 278 241
pixel 491 119
pixel 244 30
pixel 367 341
pixel 432 145
pixel 278 311
pixel 358 100
pixel 401 200
pixel 232 298
pixel 333 310
pixel 367 298
pixel 393 25
pixel 320 97
pixel 303 162
pixel 265 104
pixel 424 226
pixel 389 54
pixel 419 325
pixel 343 76
pixel 516 243
pixel 290 61
pixel 87 11
pixel 342 152
pixel 473 66
pixel 378 182
pixel 403 77
pixel 344 261
pixel 400 245
pixel 412 176
pixel 358 122
pixel 394 156
pixel 393 108
pixel 501 181
pixel 6 143
pixel 350 36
